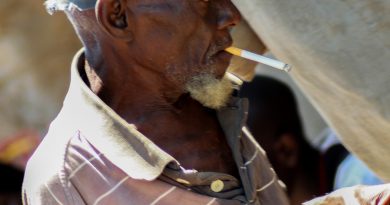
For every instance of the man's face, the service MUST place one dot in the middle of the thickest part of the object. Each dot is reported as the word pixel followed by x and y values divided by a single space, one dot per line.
pixel 182 38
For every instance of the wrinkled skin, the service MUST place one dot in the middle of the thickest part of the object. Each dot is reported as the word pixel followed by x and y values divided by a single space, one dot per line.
pixel 141 53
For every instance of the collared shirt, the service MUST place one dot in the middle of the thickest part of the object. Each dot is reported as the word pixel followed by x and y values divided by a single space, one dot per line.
pixel 91 155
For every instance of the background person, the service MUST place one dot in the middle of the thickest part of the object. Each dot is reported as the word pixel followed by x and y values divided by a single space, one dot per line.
pixel 274 121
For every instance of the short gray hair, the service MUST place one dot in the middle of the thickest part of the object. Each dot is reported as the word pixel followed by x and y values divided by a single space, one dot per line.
pixel 62 5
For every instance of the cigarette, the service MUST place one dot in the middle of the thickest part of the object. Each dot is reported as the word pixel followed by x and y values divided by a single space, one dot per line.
pixel 259 58
pixel 234 79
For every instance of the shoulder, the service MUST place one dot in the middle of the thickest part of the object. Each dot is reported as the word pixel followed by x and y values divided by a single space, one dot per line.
pixel 45 180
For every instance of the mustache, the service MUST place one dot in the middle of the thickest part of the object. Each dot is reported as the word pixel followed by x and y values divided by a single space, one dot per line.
pixel 219 45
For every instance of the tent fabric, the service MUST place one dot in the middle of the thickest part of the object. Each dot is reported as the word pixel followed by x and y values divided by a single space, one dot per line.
pixel 340 51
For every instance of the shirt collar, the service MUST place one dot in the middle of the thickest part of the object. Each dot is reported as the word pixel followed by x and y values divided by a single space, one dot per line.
pixel 118 140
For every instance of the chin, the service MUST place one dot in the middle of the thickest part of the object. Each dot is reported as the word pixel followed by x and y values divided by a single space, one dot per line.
pixel 210 91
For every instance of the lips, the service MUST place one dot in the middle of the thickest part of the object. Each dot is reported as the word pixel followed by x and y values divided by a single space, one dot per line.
pixel 220 61
pixel 217 53
pixel 216 58
pixel 223 55
pixel 220 45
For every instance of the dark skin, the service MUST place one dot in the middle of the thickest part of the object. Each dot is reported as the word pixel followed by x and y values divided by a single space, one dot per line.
pixel 141 53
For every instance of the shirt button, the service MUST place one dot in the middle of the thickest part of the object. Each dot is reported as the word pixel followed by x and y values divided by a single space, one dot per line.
pixel 217 186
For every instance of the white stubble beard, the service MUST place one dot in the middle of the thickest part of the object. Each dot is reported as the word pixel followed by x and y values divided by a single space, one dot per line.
pixel 209 91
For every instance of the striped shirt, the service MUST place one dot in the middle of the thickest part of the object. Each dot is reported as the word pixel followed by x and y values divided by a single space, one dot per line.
pixel 91 155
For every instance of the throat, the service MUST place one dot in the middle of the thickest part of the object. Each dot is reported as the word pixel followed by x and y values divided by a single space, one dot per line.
pixel 193 136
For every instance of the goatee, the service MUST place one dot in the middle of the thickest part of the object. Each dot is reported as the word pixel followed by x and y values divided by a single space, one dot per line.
pixel 209 91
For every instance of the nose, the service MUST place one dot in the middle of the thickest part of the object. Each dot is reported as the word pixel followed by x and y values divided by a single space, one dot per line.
pixel 228 14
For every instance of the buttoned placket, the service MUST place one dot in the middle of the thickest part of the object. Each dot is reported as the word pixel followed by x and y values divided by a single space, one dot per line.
pixel 233 119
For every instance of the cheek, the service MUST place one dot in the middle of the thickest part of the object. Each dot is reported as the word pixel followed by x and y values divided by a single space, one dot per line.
pixel 178 41
pixel 187 52
pixel 155 45
pixel 193 50
pixel 156 37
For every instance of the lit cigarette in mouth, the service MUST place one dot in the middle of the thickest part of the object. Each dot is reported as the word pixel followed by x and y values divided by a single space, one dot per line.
pixel 258 58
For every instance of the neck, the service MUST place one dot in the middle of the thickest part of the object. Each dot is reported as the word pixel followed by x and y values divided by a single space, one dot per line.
pixel 162 113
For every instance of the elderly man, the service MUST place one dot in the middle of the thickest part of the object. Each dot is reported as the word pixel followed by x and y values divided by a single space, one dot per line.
pixel 149 117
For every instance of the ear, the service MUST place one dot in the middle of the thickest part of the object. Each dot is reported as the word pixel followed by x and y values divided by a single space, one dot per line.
pixel 113 16
pixel 287 150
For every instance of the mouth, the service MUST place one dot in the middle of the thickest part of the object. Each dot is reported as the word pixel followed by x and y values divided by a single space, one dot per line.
pixel 218 58
pixel 219 46
pixel 222 55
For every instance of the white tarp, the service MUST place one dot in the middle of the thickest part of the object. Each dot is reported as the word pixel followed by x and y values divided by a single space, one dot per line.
pixel 340 51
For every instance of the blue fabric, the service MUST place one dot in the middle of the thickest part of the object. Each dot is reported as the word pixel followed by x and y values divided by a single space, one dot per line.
pixel 352 171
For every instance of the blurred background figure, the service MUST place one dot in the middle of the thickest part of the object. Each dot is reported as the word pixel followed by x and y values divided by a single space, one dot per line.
pixel 275 123
pixel 306 170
